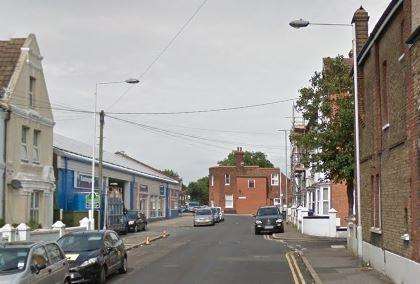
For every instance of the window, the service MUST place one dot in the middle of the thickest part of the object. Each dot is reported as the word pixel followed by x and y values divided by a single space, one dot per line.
pixel 54 253
pixel 35 157
pixel 31 93
pixel 325 201
pixel 39 256
pixel 384 94
pixel 275 179
pixel 227 179
pixel 228 201
pixel 251 183
pixel 34 210
pixel 24 144
pixel 212 180
pixel 376 194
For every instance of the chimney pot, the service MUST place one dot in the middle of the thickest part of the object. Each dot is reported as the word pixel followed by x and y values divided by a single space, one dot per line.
pixel 239 157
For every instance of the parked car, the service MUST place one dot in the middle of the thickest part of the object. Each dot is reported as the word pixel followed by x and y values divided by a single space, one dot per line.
pixel 216 215
pixel 203 216
pixel 221 213
pixel 193 205
pixel 93 255
pixel 135 221
pixel 30 262
pixel 268 219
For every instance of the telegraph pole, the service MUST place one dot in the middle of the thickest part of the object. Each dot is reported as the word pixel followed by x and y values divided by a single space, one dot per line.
pixel 100 170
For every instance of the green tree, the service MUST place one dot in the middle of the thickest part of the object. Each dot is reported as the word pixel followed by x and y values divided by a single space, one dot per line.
pixel 328 107
pixel 171 173
pixel 199 190
pixel 250 159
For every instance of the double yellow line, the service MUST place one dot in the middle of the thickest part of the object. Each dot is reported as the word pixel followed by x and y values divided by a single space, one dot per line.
pixel 294 268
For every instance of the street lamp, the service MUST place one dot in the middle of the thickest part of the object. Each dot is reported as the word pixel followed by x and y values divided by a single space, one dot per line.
pixel 285 143
pixel 95 110
pixel 297 24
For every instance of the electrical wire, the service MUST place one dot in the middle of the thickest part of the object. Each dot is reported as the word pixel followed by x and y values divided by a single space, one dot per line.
pixel 194 137
pixel 162 52
pixel 203 110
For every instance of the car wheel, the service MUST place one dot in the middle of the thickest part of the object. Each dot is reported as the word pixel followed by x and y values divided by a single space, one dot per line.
pixel 257 232
pixel 101 279
pixel 67 281
pixel 123 268
pixel 145 227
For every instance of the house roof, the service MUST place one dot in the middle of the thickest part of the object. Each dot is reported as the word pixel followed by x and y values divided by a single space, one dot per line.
pixel 9 56
pixel 379 27
pixel 82 151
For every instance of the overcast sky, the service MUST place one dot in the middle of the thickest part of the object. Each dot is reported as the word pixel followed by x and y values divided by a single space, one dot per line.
pixel 234 52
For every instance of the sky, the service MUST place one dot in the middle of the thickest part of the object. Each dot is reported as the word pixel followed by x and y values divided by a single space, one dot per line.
pixel 232 53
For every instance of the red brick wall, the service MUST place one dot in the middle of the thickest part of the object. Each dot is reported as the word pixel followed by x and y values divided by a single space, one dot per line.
pixel 389 153
pixel 339 201
pixel 249 200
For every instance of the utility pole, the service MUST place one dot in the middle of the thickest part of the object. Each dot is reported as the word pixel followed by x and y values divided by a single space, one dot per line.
pixel 285 145
pixel 100 171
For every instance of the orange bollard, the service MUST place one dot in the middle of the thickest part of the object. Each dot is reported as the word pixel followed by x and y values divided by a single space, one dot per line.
pixel 147 241
pixel 164 234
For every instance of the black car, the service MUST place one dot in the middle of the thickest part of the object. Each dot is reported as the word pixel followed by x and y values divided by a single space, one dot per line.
pixel 93 255
pixel 268 219
pixel 135 221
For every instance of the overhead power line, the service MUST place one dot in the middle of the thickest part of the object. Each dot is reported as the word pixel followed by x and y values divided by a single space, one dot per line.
pixel 162 52
pixel 203 110
pixel 190 136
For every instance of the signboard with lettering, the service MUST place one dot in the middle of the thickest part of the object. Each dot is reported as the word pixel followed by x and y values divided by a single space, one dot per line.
pixel 96 201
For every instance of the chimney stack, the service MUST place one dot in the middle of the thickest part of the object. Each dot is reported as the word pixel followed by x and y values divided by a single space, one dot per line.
pixel 239 157
pixel 360 21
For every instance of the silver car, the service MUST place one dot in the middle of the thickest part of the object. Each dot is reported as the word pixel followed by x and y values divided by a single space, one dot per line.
pixel 203 216
pixel 29 262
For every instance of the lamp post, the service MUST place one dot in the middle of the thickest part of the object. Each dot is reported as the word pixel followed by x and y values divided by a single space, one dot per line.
pixel 297 24
pixel 100 182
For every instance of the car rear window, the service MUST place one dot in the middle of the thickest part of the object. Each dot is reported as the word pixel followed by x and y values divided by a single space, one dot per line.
pixel 203 212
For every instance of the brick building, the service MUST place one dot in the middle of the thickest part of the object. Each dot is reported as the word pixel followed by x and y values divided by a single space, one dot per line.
pixel 242 189
pixel 389 134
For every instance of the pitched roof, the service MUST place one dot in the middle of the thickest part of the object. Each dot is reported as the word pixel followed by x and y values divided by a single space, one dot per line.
pixel 79 150
pixel 9 56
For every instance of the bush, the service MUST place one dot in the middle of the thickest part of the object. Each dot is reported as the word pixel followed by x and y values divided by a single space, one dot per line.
pixel 34 225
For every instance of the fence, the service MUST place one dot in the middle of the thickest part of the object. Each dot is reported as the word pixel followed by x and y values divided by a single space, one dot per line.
pixel 23 232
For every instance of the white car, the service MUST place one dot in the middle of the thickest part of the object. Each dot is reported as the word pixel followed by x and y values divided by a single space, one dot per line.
pixel 221 214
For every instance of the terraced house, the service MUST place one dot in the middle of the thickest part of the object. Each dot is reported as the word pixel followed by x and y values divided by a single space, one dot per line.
pixel 27 192
pixel 388 61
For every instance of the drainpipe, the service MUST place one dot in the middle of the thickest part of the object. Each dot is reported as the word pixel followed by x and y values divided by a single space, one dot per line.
pixel 3 202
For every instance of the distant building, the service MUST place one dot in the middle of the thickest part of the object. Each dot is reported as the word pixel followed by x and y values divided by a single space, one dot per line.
pixel 243 189
pixel 388 61
pixel 28 195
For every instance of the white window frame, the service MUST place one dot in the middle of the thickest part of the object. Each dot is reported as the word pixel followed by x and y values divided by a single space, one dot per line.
pixel 34 209
pixel 325 200
pixel 274 179
pixel 229 205
pixel 24 151
pixel 211 180
pixel 35 144
pixel 253 181
pixel 227 179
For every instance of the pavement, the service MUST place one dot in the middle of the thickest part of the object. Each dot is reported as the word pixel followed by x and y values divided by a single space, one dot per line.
pixel 328 259
pixel 228 252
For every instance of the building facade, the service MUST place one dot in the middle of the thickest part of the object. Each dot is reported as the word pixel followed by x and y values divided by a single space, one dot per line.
pixel 29 179
pixel 139 186
pixel 243 189
pixel 389 137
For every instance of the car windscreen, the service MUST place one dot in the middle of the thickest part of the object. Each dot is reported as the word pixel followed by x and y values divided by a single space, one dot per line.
pixel 191 204
pixel 268 211
pixel 203 212
pixel 81 242
pixel 132 214
pixel 214 210
pixel 13 260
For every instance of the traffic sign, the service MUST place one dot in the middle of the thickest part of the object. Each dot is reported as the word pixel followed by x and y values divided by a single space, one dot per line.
pixel 96 201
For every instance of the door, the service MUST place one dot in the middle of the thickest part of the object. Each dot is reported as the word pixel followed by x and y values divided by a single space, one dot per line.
pixel 58 263
pixel 111 253
pixel 39 258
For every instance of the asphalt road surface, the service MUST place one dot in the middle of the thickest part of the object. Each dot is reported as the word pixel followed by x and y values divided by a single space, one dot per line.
pixel 228 252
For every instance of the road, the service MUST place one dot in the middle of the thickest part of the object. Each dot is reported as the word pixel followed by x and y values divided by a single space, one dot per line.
pixel 229 252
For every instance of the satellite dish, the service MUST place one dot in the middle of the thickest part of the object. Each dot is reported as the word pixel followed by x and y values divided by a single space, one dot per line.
pixel 16 184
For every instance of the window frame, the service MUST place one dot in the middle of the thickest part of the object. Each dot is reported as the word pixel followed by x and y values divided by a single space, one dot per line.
pixel 211 180
pixel 253 182
pixel 274 179
pixel 34 206
pixel 24 157
pixel 227 179
pixel 231 201
pixel 325 200
pixel 35 145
